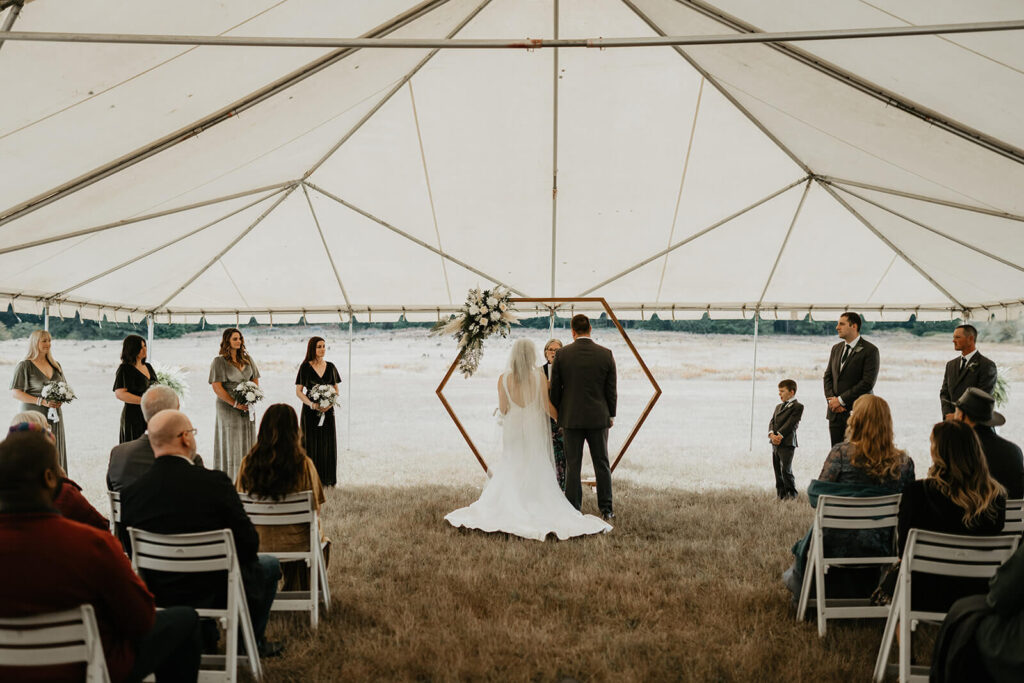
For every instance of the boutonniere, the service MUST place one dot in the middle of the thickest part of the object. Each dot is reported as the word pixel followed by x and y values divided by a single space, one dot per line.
pixel 973 365
pixel 857 350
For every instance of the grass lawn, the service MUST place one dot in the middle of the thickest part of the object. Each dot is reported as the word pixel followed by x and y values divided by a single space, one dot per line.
pixel 685 588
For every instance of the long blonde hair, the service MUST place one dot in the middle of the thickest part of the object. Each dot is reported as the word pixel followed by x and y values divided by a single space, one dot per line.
pixel 960 471
pixel 33 348
pixel 870 431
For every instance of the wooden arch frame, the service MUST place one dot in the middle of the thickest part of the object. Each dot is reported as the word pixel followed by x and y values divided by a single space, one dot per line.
pixel 561 300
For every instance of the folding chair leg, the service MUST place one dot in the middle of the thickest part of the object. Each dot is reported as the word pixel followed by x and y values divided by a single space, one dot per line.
pixel 325 589
pixel 805 588
pixel 819 581
pixel 882 662
pixel 314 593
pixel 248 636
pixel 904 648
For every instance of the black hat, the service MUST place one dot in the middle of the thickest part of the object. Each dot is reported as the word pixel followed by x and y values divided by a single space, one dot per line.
pixel 979 406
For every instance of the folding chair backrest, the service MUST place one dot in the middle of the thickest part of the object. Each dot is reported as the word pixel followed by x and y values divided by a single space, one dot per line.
pixel 955 555
pixel 115 508
pixel 838 512
pixel 1014 517
pixel 55 638
pixel 205 551
pixel 295 508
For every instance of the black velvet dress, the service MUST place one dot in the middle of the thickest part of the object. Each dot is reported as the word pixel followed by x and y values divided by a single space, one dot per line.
pixel 133 425
pixel 320 441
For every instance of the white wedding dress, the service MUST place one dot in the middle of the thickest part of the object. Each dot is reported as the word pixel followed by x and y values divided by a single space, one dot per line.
pixel 522 497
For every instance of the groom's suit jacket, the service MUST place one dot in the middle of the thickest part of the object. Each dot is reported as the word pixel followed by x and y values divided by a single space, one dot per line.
pixel 980 372
pixel 856 378
pixel 583 385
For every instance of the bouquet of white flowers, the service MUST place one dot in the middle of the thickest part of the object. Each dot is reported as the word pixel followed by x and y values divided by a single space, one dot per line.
pixel 323 397
pixel 56 392
pixel 249 394
pixel 175 377
pixel 484 313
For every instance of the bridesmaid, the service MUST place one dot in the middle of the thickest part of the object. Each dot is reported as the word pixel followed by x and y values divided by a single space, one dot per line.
pixel 234 434
pixel 557 443
pixel 38 368
pixel 320 441
pixel 134 376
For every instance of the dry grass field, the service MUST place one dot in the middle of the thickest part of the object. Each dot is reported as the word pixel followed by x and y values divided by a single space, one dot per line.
pixel 685 588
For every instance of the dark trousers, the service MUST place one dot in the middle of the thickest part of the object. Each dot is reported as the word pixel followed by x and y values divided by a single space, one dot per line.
pixel 597 440
pixel 259 581
pixel 171 649
pixel 782 462
pixel 837 426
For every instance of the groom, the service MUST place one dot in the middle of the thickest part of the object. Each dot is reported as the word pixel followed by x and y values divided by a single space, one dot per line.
pixel 583 392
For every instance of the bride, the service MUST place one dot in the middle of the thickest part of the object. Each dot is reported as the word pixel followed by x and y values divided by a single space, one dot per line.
pixel 523 497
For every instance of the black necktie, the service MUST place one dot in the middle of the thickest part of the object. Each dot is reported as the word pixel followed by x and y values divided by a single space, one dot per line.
pixel 963 363
pixel 846 354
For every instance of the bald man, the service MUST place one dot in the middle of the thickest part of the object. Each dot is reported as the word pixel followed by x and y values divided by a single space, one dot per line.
pixel 177 497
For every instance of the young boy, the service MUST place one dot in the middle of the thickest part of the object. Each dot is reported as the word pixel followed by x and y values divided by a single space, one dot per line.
pixel 782 434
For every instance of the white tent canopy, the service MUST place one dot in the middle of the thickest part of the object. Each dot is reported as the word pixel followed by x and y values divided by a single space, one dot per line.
pixel 880 174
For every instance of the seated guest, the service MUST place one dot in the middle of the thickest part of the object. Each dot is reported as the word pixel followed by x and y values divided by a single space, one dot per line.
pixel 1004 458
pixel 867 463
pixel 982 638
pixel 130 460
pixel 50 564
pixel 69 502
pixel 276 466
pixel 958 497
pixel 33 417
pixel 176 497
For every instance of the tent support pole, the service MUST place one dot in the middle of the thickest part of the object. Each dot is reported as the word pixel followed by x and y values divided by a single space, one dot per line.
pixel 46 317
pixel 753 380
pixel 554 158
pixel 920 197
pixel 149 336
pixel 348 428
pixel 9 21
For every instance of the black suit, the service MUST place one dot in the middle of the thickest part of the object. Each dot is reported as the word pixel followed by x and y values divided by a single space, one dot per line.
pixel 980 372
pixel 130 460
pixel 849 381
pixel 1005 460
pixel 785 420
pixel 583 391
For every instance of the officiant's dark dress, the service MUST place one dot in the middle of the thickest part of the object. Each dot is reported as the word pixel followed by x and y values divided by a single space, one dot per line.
pixel 320 441
pixel 133 425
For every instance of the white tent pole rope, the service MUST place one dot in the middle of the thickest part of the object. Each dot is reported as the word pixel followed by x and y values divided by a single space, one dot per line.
pixel 226 113
pixel 682 184
pixel 923 198
pixel 782 248
pixel 850 79
pixel 327 251
pixel 198 230
pixel 694 236
pixel 9 21
pixel 277 203
pixel 425 245
pixel 391 93
pixel 721 89
pixel 867 224
pixel 967 245
pixel 554 153
pixel 430 191
pixel 881 279
pixel 518 43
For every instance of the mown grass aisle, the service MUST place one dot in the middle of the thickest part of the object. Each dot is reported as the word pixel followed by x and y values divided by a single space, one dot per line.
pixel 685 588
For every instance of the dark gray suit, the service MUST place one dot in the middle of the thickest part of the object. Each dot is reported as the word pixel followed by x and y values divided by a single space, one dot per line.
pixel 980 372
pixel 130 460
pixel 583 391
pixel 785 420
pixel 855 378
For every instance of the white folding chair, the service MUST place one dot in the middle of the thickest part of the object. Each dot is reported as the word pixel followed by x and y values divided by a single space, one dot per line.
pixel 55 638
pixel 1014 517
pixel 115 509
pixel 207 551
pixel 838 512
pixel 930 552
pixel 296 508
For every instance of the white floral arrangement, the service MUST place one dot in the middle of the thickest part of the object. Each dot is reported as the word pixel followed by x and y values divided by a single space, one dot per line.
pixel 56 392
pixel 485 312
pixel 248 394
pixel 323 397
pixel 175 377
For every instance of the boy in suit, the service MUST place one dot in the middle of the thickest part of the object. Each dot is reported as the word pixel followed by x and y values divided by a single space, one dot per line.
pixel 782 434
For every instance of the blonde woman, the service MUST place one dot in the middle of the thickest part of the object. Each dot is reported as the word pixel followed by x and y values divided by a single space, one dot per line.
pixel 38 369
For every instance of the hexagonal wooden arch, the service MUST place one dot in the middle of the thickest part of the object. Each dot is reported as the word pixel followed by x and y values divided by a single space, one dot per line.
pixel 561 300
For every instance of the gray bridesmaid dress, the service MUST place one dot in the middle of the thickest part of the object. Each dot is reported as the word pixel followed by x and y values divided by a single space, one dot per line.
pixel 234 434
pixel 30 379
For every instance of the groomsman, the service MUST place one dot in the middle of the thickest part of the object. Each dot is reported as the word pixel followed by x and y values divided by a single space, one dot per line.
pixel 851 372
pixel 969 369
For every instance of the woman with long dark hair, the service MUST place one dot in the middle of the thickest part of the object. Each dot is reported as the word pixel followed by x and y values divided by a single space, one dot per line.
pixel 319 433
pixel 30 376
pixel 276 466
pixel 234 433
pixel 134 376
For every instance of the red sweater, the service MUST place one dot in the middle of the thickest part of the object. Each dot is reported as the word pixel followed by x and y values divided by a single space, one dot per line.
pixel 49 563
pixel 73 505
